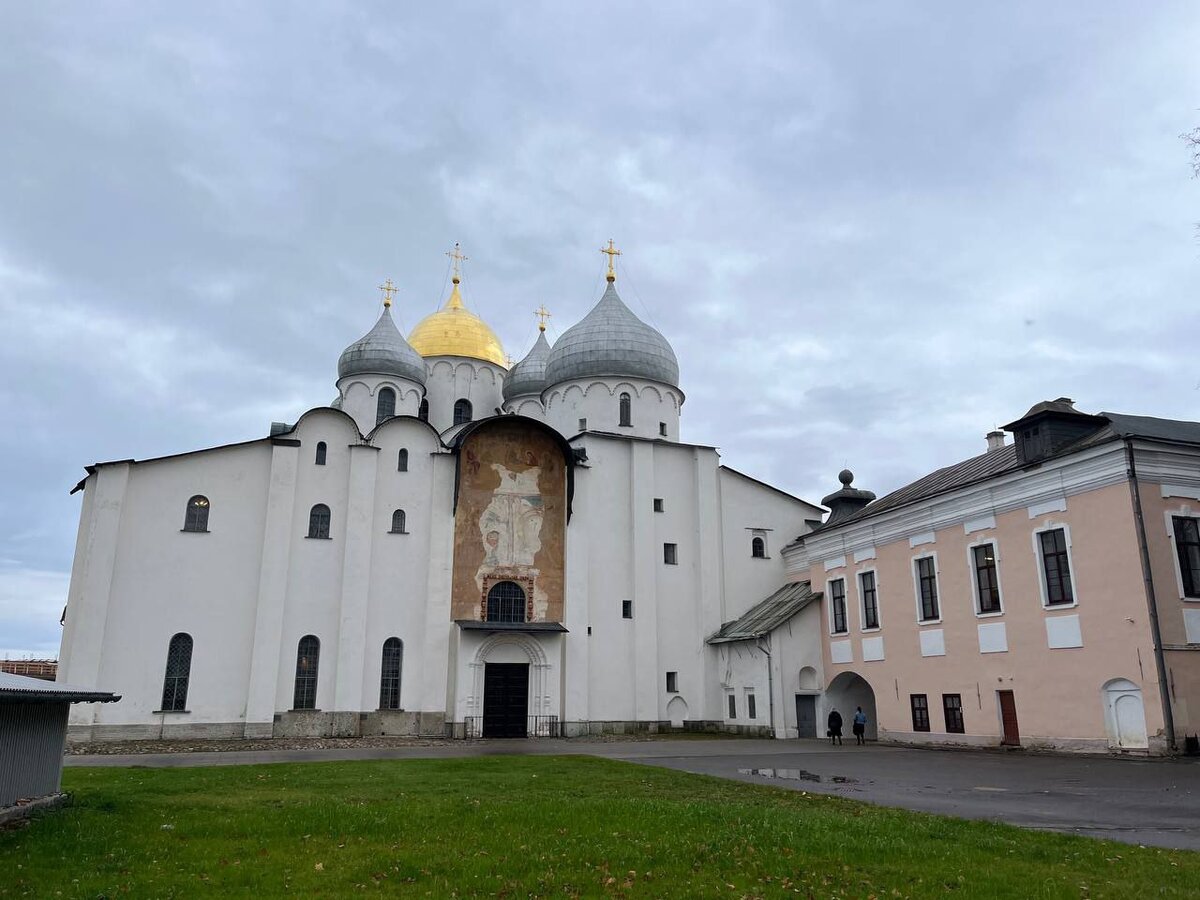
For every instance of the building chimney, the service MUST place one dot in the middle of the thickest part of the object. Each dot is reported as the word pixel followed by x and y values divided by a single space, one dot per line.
pixel 995 440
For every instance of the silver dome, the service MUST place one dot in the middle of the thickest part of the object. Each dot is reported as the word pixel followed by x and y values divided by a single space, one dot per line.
pixel 529 375
pixel 611 340
pixel 382 351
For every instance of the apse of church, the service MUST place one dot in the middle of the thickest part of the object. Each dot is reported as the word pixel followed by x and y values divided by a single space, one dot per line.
pixel 510 525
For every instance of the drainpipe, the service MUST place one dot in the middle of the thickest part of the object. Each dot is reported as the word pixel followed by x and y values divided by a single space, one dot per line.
pixel 770 684
pixel 1151 600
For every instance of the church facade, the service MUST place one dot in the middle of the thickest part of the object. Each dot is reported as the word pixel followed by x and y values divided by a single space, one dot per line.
pixel 452 546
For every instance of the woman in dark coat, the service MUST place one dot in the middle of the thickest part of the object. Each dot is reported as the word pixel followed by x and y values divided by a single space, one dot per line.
pixel 835 727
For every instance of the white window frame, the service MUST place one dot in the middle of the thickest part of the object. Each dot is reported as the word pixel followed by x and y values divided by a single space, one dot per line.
pixel 759 533
pixel 1187 512
pixel 982 542
pixel 1035 540
pixel 937 582
pixel 862 601
pixel 845 610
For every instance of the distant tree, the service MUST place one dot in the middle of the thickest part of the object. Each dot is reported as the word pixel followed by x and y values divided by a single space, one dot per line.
pixel 1192 139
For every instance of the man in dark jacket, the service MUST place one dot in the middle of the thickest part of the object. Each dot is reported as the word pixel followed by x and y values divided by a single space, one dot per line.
pixel 835 727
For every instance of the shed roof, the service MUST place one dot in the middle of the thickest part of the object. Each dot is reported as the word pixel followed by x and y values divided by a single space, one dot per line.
pixel 21 689
pixel 767 615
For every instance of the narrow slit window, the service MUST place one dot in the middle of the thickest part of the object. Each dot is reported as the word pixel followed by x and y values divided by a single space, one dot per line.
pixel 179 670
pixel 423 411
pixel 751 709
pixel 389 677
pixel 308 656
pixel 320 460
pixel 672 682
pixel 626 409
pixel 402 461
pixel 732 706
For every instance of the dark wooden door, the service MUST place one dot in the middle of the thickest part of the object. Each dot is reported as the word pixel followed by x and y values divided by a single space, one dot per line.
pixel 1008 719
pixel 505 699
pixel 806 715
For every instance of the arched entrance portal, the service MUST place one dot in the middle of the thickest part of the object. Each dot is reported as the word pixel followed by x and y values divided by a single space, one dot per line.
pixel 845 693
pixel 1124 715
pixel 510 678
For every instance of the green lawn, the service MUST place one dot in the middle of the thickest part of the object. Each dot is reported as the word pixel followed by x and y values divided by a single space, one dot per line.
pixel 518 826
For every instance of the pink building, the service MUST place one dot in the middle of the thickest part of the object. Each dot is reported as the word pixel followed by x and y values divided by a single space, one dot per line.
pixel 1045 593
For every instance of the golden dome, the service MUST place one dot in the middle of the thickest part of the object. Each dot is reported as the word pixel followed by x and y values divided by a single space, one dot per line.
pixel 456 331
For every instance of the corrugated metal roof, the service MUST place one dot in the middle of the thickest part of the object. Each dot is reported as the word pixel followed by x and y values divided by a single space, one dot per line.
pixel 766 616
pixel 18 687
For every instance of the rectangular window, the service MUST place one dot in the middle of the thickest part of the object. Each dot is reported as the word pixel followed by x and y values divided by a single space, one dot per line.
pixel 662 428
pixel 732 706
pixel 920 711
pixel 751 710
pixel 927 588
pixel 658 504
pixel 1187 546
pixel 1056 567
pixel 672 682
pixel 952 704
pixel 670 556
pixel 583 424
pixel 870 599
pixel 837 605
pixel 626 609
pixel 987 584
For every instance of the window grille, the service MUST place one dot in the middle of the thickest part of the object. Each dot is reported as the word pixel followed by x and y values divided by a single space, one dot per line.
pixel 626 405
pixel 389 678
pixel 927 584
pixel 920 712
pixel 196 517
pixel 385 405
pixel 320 460
pixel 402 460
pixel 986 580
pixel 398 522
pixel 837 605
pixel 870 599
pixel 308 656
pixel 1187 548
pixel 952 704
pixel 462 411
pixel 506 602
pixel 179 670
pixel 1056 567
pixel 318 521
pixel 758 548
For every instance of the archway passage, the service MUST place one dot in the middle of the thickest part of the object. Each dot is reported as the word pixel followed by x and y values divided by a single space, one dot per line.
pixel 505 700
pixel 846 693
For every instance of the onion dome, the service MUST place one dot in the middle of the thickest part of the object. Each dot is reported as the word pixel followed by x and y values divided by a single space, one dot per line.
pixel 611 340
pixel 529 375
pixel 456 331
pixel 382 351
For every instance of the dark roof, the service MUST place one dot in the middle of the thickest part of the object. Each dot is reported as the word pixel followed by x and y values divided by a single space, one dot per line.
pixel 767 615
pixel 1114 426
pixel 18 688
pixel 476 625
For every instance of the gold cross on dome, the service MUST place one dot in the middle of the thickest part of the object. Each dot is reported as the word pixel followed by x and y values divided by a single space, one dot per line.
pixel 457 256
pixel 389 291
pixel 612 254
pixel 543 314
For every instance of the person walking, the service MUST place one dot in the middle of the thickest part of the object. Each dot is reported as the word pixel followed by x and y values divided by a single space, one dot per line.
pixel 860 726
pixel 835 727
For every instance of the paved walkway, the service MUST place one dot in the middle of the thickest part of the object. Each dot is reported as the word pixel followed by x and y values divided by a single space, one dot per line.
pixel 1153 802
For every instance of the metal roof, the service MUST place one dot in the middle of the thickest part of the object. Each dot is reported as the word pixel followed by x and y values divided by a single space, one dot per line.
pixel 611 340
pixel 769 614
pixel 21 689
pixel 382 351
pixel 529 375
pixel 476 625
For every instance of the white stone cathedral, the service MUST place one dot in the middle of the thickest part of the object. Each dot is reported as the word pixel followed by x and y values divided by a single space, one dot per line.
pixel 451 546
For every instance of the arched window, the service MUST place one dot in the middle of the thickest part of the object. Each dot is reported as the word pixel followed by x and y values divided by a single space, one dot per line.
pixel 179 668
pixel 398 522
pixel 462 411
pixel 308 655
pixel 318 521
pixel 758 548
pixel 196 517
pixel 626 410
pixel 506 602
pixel 385 406
pixel 402 461
pixel 320 453
pixel 423 411
pixel 389 676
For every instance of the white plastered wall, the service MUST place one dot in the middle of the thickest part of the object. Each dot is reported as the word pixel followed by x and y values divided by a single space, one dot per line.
pixel 598 401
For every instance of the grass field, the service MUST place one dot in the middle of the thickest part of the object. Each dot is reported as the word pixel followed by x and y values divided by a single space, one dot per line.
pixel 542 826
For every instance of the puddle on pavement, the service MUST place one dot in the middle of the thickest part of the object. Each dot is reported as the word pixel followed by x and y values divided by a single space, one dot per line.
pixel 796 775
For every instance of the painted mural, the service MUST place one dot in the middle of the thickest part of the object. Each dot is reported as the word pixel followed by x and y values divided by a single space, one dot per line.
pixel 510 521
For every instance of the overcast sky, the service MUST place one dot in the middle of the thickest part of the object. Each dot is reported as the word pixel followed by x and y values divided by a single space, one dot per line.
pixel 871 233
